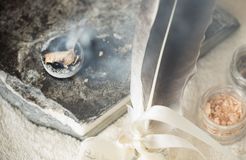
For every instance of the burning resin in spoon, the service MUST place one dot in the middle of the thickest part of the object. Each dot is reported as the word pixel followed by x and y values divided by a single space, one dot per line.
pixel 66 58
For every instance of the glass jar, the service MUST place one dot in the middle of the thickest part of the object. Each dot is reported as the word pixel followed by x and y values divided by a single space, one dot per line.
pixel 238 67
pixel 220 130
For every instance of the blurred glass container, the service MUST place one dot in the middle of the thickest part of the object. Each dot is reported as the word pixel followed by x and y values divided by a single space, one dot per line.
pixel 238 67
pixel 225 134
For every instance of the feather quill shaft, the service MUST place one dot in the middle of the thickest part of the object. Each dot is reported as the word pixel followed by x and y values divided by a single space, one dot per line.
pixel 160 57
pixel 166 48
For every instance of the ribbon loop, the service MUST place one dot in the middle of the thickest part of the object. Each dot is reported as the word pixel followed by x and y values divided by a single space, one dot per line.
pixel 138 143
pixel 166 115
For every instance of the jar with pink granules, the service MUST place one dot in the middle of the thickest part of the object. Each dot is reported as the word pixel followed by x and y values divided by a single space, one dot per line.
pixel 223 114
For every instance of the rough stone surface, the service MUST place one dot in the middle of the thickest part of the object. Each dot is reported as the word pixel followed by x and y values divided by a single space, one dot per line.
pixel 26 25
pixel 35 106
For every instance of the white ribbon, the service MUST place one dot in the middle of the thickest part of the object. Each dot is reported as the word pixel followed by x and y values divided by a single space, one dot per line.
pixel 138 143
